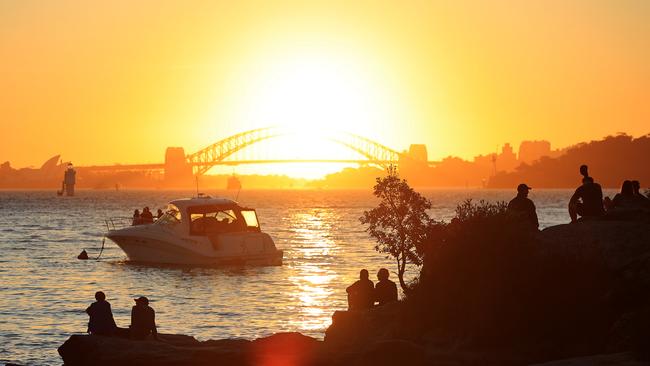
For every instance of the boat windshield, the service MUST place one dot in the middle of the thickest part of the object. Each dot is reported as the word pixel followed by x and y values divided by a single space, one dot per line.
pixel 213 220
pixel 171 217
pixel 250 216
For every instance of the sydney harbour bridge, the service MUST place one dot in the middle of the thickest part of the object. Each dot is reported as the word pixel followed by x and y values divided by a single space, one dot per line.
pixel 223 153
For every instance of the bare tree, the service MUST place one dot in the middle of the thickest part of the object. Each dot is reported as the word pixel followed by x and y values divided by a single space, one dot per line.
pixel 400 223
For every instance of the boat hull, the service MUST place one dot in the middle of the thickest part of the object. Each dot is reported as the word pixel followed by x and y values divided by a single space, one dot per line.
pixel 156 251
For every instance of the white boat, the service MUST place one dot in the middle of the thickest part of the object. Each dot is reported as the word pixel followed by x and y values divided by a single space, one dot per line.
pixel 199 231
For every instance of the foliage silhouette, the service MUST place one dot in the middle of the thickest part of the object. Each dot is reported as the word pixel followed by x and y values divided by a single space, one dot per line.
pixel 399 223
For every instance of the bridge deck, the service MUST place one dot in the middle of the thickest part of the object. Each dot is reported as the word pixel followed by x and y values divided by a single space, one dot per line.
pixel 239 162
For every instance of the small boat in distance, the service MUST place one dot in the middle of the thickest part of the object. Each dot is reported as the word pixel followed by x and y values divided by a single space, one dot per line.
pixel 198 231
pixel 233 184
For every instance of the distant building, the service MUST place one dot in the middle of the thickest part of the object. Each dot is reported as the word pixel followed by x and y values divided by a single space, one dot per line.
pixel 530 151
pixel 413 164
pixel 178 172
pixel 506 161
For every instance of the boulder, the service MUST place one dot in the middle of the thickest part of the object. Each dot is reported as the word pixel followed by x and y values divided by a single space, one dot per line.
pixel 624 246
pixel 278 349
pixel 620 359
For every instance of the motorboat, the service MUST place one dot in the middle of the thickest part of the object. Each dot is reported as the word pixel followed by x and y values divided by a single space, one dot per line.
pixel 198 231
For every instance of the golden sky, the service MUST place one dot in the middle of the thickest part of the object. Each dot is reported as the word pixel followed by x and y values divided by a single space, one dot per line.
pixel 118 81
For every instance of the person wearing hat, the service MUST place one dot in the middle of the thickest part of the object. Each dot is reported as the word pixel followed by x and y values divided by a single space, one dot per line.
pixel 524 207
pixel 143 320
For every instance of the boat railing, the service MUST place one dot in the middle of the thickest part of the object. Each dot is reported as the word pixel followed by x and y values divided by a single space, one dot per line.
pixel 113 223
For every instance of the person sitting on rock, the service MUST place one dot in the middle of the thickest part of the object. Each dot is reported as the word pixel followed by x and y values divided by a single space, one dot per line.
pixel 524 208
pixel 101 320
pixel 641 200
pixel 143 320
pixel 385 289
pixel 361 293
pixel 587 200
pixel 625 199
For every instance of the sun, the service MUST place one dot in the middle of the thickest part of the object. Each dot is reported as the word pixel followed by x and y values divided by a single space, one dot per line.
pixel 313 94
pixel 319 91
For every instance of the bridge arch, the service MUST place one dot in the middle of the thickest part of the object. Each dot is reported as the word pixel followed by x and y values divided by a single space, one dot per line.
pixel 214 154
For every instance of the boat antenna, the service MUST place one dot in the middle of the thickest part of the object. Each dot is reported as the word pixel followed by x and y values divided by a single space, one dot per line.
pixel 196 178
pixel 239 190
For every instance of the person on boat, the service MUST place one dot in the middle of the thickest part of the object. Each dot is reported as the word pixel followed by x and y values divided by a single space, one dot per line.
pixel 523 207
pixel 137 220
pixel 159 213
pixel 143 320
pixel 385 289
pixel 587 200
pixel 361 293
pixel 101 320
pixel 147 216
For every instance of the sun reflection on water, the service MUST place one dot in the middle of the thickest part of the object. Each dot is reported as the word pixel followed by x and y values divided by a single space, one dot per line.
pixel 313 282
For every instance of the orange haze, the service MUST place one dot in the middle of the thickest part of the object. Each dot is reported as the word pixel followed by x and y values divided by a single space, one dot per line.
pixel 118 81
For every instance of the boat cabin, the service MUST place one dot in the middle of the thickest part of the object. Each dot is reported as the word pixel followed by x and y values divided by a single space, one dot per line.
pixel 207 216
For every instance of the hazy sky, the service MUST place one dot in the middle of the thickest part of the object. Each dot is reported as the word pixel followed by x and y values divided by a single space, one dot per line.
pixel 118 81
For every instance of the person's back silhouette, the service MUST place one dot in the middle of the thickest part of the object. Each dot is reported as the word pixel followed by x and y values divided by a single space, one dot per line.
pixel 385 289
pixel 143 320
pixel 361 293
pixel 625 199
pixel 523 207
pixel 639 198
pixel 101 320
pixel 587 200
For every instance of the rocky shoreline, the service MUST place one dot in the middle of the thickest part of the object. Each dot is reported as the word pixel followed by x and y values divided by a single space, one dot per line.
pixel 390 335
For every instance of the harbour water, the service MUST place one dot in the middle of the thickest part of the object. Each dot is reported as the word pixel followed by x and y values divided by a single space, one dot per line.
pixel 44 289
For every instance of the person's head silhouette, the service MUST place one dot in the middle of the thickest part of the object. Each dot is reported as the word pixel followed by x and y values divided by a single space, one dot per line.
pixel 523 189
pixel 382 274
pixel 100 296
pixel 363 274
pixel 628 188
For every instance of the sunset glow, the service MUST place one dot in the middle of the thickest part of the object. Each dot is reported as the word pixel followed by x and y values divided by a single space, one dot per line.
pixel 119 82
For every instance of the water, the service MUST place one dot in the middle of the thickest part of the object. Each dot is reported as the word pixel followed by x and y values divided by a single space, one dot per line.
pixel 44 289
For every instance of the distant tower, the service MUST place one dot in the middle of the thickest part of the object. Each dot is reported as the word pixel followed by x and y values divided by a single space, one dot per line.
pixel 178 172
pixel 413 164
pixel 69 180
pixel 494 164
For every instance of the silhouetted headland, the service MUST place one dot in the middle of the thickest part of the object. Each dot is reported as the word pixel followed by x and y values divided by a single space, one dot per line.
pixel 494 294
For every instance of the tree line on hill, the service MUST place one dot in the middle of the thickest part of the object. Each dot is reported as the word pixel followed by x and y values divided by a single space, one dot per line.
pixel 611 161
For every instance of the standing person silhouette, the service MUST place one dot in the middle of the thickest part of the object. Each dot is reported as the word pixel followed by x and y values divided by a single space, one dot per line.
pixel 361 293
